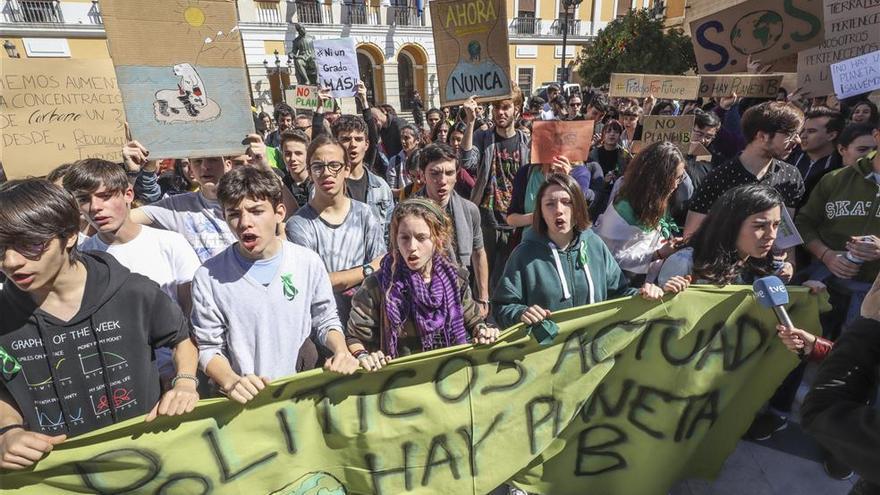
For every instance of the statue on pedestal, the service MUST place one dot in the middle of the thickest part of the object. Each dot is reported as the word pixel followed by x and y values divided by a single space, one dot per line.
pixel 302 51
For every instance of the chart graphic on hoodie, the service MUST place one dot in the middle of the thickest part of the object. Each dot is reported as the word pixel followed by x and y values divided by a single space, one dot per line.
pixel 91 363
pixel 40 383
pixel 47 423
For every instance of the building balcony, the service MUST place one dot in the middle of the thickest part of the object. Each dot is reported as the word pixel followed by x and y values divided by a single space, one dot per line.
pixel 558 27
pixel 269 13
pixel 358 13
pixel 525 26
pixel 311 12
pixel 407 16
pixel 44 12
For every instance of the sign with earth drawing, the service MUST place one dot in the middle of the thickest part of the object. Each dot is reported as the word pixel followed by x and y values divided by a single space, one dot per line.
pixel 766 31
pixel 470 40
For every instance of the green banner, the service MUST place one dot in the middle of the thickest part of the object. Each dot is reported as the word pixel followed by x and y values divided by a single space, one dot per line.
pixel 630 397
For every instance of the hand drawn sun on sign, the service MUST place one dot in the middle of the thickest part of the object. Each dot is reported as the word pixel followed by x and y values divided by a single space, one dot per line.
pixel 189 102
pixel 200 21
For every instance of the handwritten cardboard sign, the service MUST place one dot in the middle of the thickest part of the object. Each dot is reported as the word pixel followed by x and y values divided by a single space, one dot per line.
pixel 570 139
pixel 856 75
pixel 743 85
pixel 303 97
pixel 676 130
pixel 54 111
pixel 660 86
pixel 768 31
pixel 851 29
pixel 181 71
pixel 470 42
pixel 788 235
pixel 337 64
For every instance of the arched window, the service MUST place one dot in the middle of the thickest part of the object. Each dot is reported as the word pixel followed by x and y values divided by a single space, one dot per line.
pixel 405 80
pixel 365 67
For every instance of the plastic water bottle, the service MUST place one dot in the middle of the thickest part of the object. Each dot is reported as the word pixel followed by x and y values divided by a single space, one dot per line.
pixel 853 258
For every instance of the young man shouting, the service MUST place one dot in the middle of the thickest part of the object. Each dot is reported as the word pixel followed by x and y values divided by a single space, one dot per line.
pixel 78 332
pixel 256 303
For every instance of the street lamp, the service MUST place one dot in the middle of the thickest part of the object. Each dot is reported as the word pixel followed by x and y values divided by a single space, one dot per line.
pixel 569 6
pixel 277 71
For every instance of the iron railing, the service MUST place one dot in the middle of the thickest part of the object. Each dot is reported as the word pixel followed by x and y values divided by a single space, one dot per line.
pixel 525 26
pixel 558 26
pixel 309 12
pixel 269 13
pixel 33 11
pixel 407 16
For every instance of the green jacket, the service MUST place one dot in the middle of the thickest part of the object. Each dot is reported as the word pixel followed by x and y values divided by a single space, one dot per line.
pixel 531 277
pixel 845 203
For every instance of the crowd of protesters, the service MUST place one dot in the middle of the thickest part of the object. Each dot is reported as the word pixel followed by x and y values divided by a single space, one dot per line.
pixel 347 241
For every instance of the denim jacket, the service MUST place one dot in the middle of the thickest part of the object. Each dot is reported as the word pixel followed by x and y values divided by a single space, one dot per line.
pixel 379 197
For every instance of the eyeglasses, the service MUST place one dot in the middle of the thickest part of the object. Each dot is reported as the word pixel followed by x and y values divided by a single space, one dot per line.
pixel 679 180
pixel 30 250
pixel 575 104
pixel 703 136
pixel 791 137
pixel 317 168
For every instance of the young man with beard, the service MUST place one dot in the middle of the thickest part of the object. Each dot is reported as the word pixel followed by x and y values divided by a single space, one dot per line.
pixel 345 233
pixel 104 196
pixel 78 333
pixel 772 131
pixel 256 303
pixel 284 116
pixel 493 157
pixel 439 167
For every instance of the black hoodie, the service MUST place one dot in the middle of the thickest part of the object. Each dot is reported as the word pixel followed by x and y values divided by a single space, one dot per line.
pixel 58 372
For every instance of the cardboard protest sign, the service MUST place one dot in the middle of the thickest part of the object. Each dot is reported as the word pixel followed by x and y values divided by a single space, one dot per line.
pixel 788 236
pixel 54 111
pixel 768 31
pixel 676 130
pixel 182 75
pixel 852 28
pixel 470 42
pixel 336 60
pixel 570 139
pixel 629 398
pixel 744 85
pixel 303 97
pixel 856 75
pixel 661 86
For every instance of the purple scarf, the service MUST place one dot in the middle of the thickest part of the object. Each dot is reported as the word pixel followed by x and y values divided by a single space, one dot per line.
pixel 435 309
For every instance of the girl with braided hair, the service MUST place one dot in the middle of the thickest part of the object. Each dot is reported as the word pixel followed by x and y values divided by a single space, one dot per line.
pixel 419 299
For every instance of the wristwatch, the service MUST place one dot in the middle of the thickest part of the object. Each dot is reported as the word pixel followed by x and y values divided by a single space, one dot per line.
pixel 368 270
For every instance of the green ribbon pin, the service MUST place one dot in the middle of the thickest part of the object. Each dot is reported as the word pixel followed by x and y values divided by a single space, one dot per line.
pixel 289 290
pixel 10 365
pixel 582 255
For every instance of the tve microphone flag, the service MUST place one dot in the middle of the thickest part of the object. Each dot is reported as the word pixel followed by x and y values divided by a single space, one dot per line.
pixel 771 293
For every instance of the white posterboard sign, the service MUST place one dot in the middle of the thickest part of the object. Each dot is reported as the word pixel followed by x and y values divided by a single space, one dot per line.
pixel 336 60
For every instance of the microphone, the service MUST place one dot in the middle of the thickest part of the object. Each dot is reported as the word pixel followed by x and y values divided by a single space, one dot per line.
pixel 771 293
